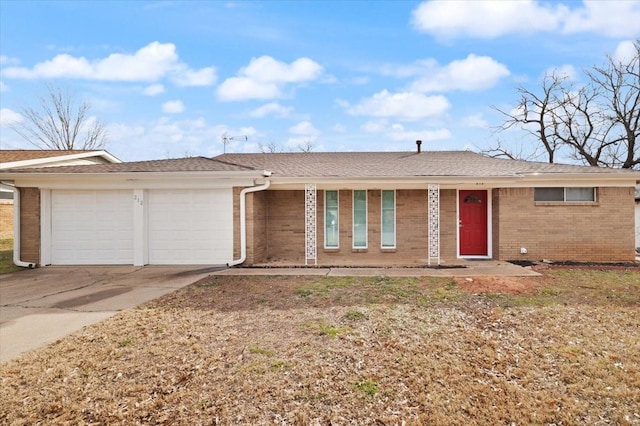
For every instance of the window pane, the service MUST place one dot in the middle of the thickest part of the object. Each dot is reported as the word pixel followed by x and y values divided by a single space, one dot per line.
pixel 580 194
pixel 360 219
pixel 548 194
pixel 331 228
pixel 388 219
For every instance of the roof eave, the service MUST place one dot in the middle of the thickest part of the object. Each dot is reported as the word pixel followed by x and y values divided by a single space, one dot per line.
pixel 518 180
pixel 55 159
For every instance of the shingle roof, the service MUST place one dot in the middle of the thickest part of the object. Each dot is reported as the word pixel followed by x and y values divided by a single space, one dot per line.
pixel 344 165
pixel 399 164
pixel 190 164
pixel 11 155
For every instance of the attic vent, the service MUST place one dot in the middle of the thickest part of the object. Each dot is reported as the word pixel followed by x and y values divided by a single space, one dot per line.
pixel 418 143
pixel 472 198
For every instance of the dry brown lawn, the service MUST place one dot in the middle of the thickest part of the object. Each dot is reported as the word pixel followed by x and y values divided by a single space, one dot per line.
pixel 559 349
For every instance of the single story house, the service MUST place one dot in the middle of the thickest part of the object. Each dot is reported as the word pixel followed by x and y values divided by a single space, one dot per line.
pixel 32 158
pixel 325 208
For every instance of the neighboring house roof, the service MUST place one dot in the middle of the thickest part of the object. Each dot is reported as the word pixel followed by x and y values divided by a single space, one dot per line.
pixel 190 164
pixel 26 158
pixel 402 164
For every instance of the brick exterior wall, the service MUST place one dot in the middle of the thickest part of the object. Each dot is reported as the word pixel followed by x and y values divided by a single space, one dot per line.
pixel 30 225
pixel 283 224
pixel 256 227
pixel 598 232
pixel 601 232
pixel 6 219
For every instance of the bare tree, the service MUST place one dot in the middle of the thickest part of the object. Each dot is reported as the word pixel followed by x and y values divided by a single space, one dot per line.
pixel 306 146
pixel 534 114
pixel 618 83
pixel 597 124
pixel 60 123
pixel 271 148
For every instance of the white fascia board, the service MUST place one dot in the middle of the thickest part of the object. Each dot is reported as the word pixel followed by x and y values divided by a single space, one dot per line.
pixel 192 180
pixel 35 162
pixel 453 182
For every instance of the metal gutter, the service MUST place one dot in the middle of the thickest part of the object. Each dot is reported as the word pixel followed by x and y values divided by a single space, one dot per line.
pixel 16 227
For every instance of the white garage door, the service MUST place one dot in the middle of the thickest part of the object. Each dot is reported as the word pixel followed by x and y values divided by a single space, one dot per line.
pixel 190 226
pixel 91 227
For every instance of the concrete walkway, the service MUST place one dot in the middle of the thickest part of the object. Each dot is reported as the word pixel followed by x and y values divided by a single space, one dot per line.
pixel 465 269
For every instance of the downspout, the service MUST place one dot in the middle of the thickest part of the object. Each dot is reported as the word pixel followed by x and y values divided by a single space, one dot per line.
pixel 243 219
pixel 16 227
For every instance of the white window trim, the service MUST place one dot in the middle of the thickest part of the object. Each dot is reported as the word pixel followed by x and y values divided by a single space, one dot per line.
pixel 324 220
pixel 395 229
pixel 366 219
pixel 564 195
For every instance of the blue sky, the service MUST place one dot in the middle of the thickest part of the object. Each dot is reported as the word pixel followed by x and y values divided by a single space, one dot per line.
pixel 171 78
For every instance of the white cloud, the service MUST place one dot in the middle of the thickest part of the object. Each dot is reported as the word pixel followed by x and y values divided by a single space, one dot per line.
pixel 485 18
pixel 404 106
pixel 472 73
pixel 241 88
pixel 272 108
pixel 7 60
pixel 170 138
pixel 339 128
pixel 173 107
pixel 149 64
pixel 614 18
pixel 153 90
pixel 475 120
pixel 491 18
pixel 304 128
pixel 566 71
pixel 9 117
pixel 406 71
pixel 399 133
pixel 265 77
pixel 191 78
pixel 625 52
pixel 3 87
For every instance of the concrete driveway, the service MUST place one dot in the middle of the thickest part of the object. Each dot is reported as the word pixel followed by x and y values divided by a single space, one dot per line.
pixel 39 306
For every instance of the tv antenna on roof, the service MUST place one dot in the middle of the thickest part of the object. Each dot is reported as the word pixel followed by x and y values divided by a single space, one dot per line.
pixel 226 139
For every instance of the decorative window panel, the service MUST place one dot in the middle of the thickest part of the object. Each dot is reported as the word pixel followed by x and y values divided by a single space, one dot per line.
pixel 388 220
pixel 331 225
pixel 359 219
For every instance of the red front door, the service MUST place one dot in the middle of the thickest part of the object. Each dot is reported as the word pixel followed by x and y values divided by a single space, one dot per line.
pixel 473 222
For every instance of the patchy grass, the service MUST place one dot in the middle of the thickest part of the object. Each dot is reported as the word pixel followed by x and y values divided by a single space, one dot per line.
pixel 6 257
pixel 556 349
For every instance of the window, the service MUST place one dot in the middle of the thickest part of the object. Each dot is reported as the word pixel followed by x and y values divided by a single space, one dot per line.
pixel 388 219
pixel 359 219
pixel 331 228
pixel 568 194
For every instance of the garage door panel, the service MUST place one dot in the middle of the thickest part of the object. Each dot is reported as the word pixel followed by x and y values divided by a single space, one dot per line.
pixel 190 226
pixel 91 227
